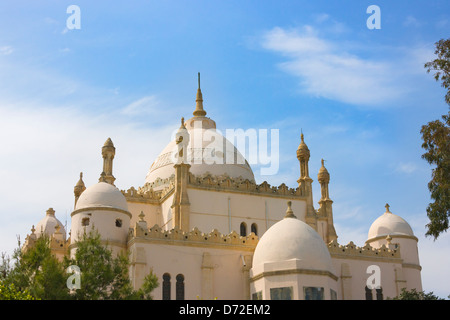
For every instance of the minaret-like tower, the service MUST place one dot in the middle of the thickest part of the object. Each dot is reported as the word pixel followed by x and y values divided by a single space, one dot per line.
pixel 305 182
pixel 325 213
pixel 108 153
pixel 181 204
pixel 79 188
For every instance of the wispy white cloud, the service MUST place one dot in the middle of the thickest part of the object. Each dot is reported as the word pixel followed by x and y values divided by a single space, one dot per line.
pixel 406 167
pixel 6 50
pixel 328 70
pixel 411 21
pixel 146 105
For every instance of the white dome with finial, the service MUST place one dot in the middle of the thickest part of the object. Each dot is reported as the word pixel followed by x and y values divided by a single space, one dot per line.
pixel 291 239
pixel 103 195
pixel 48 224
pixel 389 224
pixel 207 151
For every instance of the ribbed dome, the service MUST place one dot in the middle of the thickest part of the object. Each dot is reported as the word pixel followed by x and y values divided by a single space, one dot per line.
pixel 389 224
pixel 290 239
pixel 302 150
pixel 48 224
pixel 323 175
pixel 208 151
pixel 102 194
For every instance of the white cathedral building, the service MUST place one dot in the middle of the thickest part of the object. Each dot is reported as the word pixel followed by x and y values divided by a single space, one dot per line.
pixel 208 230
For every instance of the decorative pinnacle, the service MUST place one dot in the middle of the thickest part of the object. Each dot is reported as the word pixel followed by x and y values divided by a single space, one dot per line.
pixel 387 208
pixel 289 212
pixel 199 112
pixel 108 143
pixel 141 216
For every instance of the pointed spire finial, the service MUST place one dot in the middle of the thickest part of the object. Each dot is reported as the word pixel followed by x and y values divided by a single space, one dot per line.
pixel 387 208
pixel 289 212
pixel 199 112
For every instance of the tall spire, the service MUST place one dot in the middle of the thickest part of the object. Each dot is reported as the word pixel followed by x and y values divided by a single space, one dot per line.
pixel 199 112
pixel 108 152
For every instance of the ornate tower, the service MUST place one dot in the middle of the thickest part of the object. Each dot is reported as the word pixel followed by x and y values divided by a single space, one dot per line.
pixel 181 204
pixel 79 188
pixel 108 152
pixel 305 182
pixel 325 223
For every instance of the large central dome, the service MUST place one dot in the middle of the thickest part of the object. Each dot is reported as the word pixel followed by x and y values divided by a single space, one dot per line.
pixel 207 151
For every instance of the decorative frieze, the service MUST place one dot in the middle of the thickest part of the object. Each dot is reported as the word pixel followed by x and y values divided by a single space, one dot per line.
pixel 193 237
pixel 226 183
pixel 351 249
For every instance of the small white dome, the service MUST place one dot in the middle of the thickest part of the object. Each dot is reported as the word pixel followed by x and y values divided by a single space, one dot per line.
pixel 48 224
pixel 389 224
pixel 102 194
pixel 290 239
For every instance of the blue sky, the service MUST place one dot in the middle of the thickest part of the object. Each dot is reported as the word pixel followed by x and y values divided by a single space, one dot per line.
pixel 359 95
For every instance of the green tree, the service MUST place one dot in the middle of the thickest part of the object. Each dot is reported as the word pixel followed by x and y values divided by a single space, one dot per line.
pixel 416 295
pixel 104 276
pixel 9 292
pixel 436 142
pixel 38 272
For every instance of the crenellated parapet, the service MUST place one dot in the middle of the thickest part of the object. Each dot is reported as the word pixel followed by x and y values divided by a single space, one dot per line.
pixel 226 183
pixel 352 251
pixel 194 237
pixel 148 194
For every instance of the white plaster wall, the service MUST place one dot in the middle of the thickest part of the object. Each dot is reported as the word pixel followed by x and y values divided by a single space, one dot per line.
pixel 228 275
pixel 358 270
pixel 104 222
pixel 209 210
pixel 153 213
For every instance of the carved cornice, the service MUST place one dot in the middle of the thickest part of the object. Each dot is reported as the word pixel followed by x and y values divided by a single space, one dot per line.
pixel 147 194
pixel 226 183
pixel 352 251
pixel 194 237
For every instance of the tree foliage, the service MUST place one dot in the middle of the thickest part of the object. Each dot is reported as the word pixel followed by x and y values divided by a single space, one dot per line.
pixel 416 295
pixel 441 65
pixel 436 142
pixel 38 274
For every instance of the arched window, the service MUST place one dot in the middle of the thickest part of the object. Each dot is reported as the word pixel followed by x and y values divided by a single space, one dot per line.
pixel 85 222
pixel 243 229
pixel 166 287
pixel 379 293
pixel 254 228
pixel 179 289
pixel 368 294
